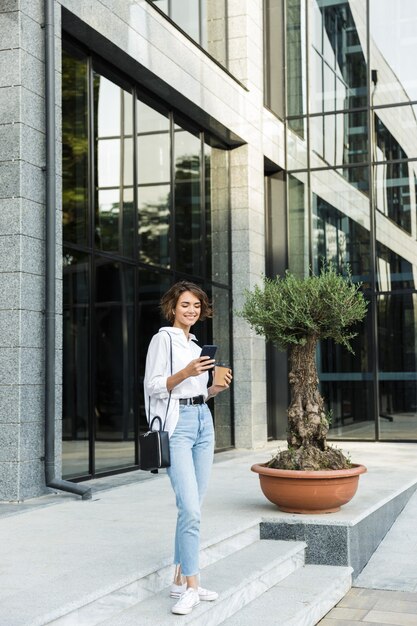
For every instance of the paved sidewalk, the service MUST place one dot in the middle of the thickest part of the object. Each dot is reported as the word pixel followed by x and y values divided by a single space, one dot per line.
pixel 58 549
pixel 386 590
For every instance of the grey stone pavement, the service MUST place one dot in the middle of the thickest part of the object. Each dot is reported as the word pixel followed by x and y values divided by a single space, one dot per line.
pixel 56 548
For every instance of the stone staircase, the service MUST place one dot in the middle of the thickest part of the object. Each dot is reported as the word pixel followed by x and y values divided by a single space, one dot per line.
pixel 253 577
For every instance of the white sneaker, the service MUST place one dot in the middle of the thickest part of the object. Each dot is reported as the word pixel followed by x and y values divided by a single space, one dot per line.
pixel 177 590
pixel 204 594
pixel 188 600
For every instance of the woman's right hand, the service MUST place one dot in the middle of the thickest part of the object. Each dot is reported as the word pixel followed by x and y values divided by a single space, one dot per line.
pixel 194 368
pixel 199 366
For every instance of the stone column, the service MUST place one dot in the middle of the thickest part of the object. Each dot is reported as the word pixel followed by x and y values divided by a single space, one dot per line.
pixel 22 197
pixel 248 223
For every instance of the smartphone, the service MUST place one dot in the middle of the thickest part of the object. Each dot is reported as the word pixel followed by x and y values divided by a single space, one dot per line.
pixel 208 351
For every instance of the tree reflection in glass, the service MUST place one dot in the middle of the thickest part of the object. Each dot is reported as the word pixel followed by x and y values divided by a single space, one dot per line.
pixel 74 148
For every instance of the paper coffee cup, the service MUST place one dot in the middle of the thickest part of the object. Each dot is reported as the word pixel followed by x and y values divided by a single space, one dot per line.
pixel 220 372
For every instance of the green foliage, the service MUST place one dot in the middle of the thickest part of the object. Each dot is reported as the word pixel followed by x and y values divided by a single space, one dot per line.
pixel 288 310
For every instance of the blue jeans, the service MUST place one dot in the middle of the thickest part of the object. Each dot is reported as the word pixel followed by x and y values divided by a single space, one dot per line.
pixel 191 447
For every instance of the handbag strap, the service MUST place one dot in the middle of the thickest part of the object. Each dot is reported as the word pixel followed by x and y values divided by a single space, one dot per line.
pixel 169 398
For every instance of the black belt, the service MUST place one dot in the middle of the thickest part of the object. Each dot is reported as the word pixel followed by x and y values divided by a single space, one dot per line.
pixel 195 400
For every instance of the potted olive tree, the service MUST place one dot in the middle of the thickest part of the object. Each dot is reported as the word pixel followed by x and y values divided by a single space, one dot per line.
pixel 295 314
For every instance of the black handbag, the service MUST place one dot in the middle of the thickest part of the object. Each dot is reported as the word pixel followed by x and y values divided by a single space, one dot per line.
pixel 154 448
pixel 154 444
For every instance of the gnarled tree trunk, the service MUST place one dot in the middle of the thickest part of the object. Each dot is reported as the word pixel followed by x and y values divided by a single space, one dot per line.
pixel 307 422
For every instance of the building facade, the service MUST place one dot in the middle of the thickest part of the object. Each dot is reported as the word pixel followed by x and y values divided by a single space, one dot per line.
pixel 215 140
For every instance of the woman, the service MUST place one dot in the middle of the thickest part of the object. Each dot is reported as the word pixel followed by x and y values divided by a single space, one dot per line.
pixel 190 426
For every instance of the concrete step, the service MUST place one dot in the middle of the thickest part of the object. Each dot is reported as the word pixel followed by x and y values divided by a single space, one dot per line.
pixel 102 603
pixel 239 578
pixel 301 599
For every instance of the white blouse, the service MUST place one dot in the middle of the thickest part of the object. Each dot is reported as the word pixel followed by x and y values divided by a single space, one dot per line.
pixel 158 369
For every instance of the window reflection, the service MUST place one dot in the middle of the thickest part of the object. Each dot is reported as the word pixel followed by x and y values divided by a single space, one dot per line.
pixel 394 176
pixel 340 240
pixel 104 356
pixel 74 148
pixel 203 20
pixel 299 240
pixel 357 194
pixel 154 185
pixel 393 271
pixel 346 385
pixel 114 167
pixel 187 181
pixel 397 338
pixel 340 139
pixel 296 67
pixel 115 349
pixel 349 403
pixel 75 375
pixel 339 77
pixel 274 56
pixel 393 27
pixel 151 286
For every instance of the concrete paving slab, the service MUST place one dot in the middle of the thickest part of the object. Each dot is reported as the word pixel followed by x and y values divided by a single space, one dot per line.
pixel 70 551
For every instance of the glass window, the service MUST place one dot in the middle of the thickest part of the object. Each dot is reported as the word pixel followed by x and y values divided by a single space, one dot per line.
pixel 299 229
pixel 352 193
pixel 340 139
pixel 296 63
pixel 154 206
pixel 114 226
pixel 186 13
pixel 346 384
pixel 393 28
pixel 339 78
pixel 180 185
pixel 393 271
pixel 387 147
pixel 76 364
pixel 153 142
pixel 274 56
pixel 203 20
pixel 397 340
pixel 395 130
pixel 154 185
pixel 349 405
pixel 74 148
pixel 392 193
pixel 339 239
pixel 151 286
pixel 115 350
pixel 187 199
pixel 341 189
pixel 297 154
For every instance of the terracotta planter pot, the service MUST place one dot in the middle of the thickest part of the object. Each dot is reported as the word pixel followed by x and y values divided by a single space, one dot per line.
pixel 297 491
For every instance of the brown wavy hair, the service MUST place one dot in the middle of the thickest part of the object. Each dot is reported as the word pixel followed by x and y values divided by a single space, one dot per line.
pixel 170 298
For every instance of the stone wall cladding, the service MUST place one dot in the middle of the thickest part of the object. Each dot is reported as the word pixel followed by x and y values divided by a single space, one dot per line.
pixel 22 211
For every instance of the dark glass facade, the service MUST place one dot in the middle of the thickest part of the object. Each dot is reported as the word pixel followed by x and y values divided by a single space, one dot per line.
pixel 139 213
pixel 351 194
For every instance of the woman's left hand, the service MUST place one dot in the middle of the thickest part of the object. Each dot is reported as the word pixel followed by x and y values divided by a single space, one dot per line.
pixel 215 389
